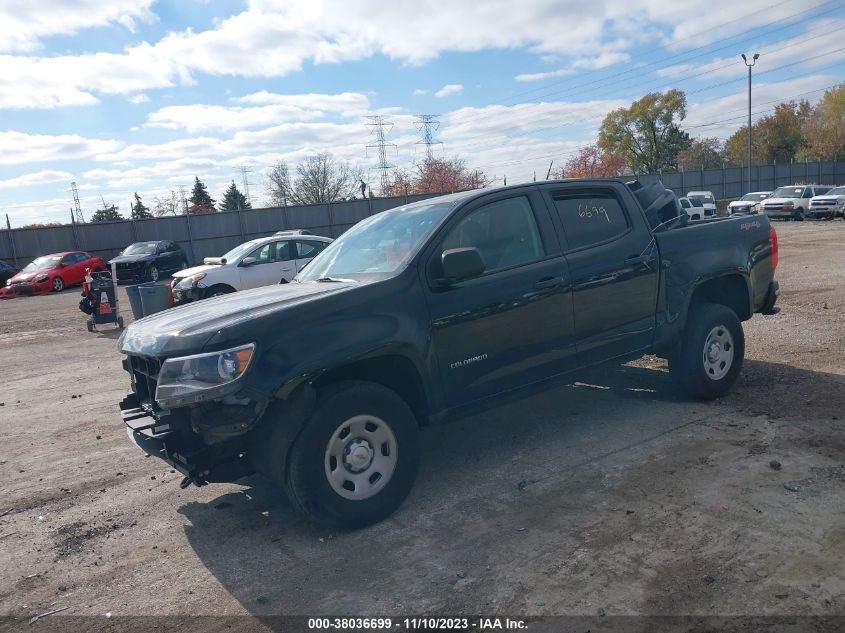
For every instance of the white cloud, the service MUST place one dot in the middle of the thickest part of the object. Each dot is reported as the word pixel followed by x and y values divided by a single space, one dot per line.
pixel 18 148
pixel 561 72
pixel 449 89
pixel 26 23
pixel 420 91
pixel 36 178
pixel 139 98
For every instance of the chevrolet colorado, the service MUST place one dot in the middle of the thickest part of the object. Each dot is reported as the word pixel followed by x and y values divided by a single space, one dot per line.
pixel 430 310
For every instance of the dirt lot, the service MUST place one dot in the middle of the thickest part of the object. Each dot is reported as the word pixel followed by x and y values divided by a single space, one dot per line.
pixel 604 494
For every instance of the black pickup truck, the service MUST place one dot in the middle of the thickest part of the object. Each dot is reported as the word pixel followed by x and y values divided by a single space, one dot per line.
pixel 427 311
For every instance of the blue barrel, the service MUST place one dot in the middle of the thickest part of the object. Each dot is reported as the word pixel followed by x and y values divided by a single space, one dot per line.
pixel 154 298
pixel 134 294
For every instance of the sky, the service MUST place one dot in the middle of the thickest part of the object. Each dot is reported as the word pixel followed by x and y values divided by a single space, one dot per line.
pixel 141 96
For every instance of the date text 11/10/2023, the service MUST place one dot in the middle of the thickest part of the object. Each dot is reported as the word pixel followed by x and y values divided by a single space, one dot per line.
pixel 417 624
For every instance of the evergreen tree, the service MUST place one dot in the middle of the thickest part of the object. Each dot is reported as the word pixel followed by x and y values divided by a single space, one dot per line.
pixel 107 214
pixel 139 211
pixel 234 199
pixel 200 201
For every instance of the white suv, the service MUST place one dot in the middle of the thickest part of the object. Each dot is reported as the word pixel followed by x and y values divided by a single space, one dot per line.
pixel 262 262
pixel 791 203
pixel 708 200
pixel 828 205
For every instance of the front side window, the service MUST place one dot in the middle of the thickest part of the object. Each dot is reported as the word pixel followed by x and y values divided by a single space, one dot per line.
pixel 590 217
pixel 685 203
pixel 504 232
pixel 264 254
pixel 305 250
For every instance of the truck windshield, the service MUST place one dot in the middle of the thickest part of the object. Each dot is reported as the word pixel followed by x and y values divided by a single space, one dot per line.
pixel 701 196
pixel 788 192
pixel 378 247
pixel 754 197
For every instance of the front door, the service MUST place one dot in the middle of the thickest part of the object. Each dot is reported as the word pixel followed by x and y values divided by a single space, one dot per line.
pixel 613 261
pixel 511 325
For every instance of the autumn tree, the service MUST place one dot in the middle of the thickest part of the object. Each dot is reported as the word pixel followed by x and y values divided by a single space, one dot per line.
pixel 591 161
pixel 824 129
pixel 234 200
pixel 777 137
pixel 702 153
pixel 201 201
pixel 139 210
pixel 648 133
pixel 437 175
pixel 169 204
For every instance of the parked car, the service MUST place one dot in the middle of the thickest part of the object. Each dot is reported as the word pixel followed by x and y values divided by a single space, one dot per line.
pixel 422 312
pixel 147 261
pixel 54 273
pixel 7 271
pixel 828 206
pixel 707 199
pixel 791 203
pixel 261 262
pixel 748 203
pixel 694 208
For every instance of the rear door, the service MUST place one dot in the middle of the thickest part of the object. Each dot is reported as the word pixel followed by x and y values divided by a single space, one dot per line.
pixel 306 250
pixel 512 325
pixel 613 261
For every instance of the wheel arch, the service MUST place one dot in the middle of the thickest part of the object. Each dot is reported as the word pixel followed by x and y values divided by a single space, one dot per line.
pixel 731 290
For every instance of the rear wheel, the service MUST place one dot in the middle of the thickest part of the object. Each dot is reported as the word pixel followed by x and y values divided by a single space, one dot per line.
pixel 711 353
pixel 58 284
pixel 356 458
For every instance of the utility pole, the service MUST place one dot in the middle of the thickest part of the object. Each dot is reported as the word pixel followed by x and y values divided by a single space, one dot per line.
pixel 428 124
pixel 79 217
pixel 380 128
pixel 753 61
pixel 244 176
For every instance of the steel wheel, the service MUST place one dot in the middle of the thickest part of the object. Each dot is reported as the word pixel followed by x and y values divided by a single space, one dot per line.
pixel 361 457
pixel 153 273
pixel 718 352
pixel 58 284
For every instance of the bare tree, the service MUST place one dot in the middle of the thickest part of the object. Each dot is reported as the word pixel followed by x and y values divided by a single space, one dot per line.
pixel 169 204
pixel 320 178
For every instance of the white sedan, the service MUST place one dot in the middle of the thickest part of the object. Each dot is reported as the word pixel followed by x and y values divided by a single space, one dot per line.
pixel 262 262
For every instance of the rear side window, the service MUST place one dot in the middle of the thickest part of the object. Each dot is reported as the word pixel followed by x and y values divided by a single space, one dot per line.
pixel 590 217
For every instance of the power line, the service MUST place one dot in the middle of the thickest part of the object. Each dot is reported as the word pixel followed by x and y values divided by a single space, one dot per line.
pixel 380 128
pixel 244 176
pixel 428 124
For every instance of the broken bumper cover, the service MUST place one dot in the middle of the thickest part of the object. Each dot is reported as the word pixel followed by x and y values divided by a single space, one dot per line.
pixel 175 443
pixel 772 295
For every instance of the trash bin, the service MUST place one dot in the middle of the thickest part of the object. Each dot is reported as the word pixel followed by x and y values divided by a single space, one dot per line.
pixel 134 294
pixel 154 298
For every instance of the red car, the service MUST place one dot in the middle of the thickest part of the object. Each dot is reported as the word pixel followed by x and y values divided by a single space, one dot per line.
pixel 53 273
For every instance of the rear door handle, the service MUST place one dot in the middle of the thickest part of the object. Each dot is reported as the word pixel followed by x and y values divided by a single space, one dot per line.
pixel 549 282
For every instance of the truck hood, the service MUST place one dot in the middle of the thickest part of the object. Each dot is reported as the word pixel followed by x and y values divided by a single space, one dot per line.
pixel 193 271
pixel 186 329
pixel 132 259
pixel 778 200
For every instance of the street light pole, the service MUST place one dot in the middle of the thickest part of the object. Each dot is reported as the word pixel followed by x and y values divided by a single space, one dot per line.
pixel 753 61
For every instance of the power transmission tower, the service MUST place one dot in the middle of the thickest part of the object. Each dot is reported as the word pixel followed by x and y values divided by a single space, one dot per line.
pixel 380 128
pixel 428 124
pixel 184 199
pixel 79 216
pixel 244 176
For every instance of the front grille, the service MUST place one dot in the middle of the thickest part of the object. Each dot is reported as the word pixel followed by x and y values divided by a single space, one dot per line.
pixel 144 372
pixel 822 204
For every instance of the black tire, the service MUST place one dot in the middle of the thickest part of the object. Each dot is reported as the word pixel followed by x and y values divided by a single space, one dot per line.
pixel 309 460
pixel 218 290
pixel 799 214
pixel 152 273
pixel 58 284
pixel 90 325
pixel 694 375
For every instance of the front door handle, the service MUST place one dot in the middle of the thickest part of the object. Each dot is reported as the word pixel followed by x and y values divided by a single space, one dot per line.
pixel 633 260
pixel 549 282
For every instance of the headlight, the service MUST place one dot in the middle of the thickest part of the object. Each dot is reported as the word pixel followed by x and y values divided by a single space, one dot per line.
pixel 40 278
pixel 189 282
pixel 788 205
pixel 201 377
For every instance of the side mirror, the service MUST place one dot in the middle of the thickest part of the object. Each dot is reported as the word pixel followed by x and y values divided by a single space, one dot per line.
pixel 249 261
pixel 63 264
pixel 462 263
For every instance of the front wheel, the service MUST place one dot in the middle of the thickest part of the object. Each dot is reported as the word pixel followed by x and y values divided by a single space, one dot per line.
pixel 152 273
pixel 58 284
pixel 799 215
pixel 711 353
pixel 356 459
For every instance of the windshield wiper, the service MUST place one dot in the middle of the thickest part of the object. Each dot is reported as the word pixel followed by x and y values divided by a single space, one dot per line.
pixel 333 279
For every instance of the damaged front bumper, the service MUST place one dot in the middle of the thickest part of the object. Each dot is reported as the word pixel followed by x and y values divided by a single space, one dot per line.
pixel 171 437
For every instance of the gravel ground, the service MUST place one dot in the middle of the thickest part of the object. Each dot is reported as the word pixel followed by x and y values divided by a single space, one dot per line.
pixel 607 495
